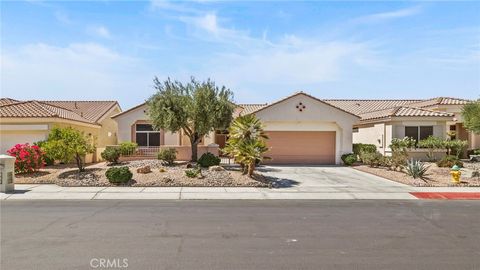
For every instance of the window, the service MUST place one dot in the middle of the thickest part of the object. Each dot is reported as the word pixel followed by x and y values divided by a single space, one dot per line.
pixel 146 136
pixel 419 133
pixel 355 130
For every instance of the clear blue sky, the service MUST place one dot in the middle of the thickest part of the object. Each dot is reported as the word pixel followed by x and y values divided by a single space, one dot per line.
pixel 261 50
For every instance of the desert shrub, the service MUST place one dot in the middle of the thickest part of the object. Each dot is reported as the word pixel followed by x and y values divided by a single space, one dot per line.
pixel 449 161
pixel 111 154
pixel 67 144
pixel 349 159
pixel 28 158
pixel 168 155
pixel 416 169
pixel 372 159
pixel 362 147
pixel 192 173
pixel 402 144
pixel 473 152
pixel 127 148
pixel 46 159
pixel 208 159
pixel 432 143
pixel 399 159
pixel 119 175
pixel 455 147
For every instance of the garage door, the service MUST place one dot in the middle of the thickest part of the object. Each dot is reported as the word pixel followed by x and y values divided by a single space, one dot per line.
pixel 301 147
pixel 10 139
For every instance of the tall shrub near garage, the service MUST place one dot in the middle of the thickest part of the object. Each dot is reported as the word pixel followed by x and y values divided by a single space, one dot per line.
pixel 28 158
pixel 68 144
pixel 247 142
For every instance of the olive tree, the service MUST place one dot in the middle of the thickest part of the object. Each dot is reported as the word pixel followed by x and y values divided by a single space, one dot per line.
pixel 195 108
pixel 68 144
pixel 471 116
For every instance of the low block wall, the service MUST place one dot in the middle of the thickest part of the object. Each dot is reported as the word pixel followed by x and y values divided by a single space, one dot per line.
pixel 184 152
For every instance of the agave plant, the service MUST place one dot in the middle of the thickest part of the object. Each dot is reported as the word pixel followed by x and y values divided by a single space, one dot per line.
pixel 416 169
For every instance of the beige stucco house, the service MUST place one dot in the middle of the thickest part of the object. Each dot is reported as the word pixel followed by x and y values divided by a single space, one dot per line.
pixel 383 120
pixel 302 130
pixel 135 126
pixel 31 121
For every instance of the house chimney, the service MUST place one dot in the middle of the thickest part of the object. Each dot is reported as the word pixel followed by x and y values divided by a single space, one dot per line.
pixel 76 107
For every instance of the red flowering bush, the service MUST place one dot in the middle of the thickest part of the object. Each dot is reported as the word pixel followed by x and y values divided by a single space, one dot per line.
pixel 28 158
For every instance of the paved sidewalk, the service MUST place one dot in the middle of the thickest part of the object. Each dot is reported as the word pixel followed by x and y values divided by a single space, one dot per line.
pixel 53 192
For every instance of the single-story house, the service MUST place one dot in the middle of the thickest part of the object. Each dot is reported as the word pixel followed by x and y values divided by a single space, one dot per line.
pixel 30 121
pixel 383 120
pixel 302 130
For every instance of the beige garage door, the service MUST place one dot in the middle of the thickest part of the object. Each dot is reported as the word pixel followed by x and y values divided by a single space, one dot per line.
pixel 301 147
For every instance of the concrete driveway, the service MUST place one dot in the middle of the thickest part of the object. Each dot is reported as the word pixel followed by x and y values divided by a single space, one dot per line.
pixel 330 179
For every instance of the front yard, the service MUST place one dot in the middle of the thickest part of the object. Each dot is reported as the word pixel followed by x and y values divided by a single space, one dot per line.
pixel 160 176
pixel 435 177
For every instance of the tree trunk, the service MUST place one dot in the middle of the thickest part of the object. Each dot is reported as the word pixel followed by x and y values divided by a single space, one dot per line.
pixel 79 163
pixel 251 168
pixel 194 145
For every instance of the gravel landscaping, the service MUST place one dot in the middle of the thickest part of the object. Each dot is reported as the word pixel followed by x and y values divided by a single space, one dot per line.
pixel 160 176
pixel 436 176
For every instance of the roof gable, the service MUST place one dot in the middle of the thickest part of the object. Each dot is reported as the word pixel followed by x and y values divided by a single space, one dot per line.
pixel 306 95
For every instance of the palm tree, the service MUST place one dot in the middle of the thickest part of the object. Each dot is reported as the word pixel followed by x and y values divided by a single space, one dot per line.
pixel 246 143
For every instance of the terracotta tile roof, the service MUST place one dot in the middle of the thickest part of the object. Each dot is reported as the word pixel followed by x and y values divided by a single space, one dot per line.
pixel 302 93
pixel 5 101
pixel 402 111
pixel 359 106
pixel 82 111
pixel 91 110
pixel 243 109
pixel 440 101
pixel 33 109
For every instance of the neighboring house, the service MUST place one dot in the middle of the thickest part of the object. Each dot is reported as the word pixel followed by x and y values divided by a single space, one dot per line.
pixel 383 120
pixel 31 121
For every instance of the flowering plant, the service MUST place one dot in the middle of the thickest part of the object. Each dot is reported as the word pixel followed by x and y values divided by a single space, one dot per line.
pixel 28 158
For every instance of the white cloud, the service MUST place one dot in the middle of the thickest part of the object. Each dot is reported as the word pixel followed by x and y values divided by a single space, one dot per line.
pixel 76 71
pixel 310 62
pixel 389 15
pixel 99 31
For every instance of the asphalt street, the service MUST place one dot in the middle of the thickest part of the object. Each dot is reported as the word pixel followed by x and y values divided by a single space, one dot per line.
pixel 274 234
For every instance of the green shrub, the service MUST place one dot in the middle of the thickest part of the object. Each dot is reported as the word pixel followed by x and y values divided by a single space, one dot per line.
pixel 48 160
pixel 448 161
pixel 192 173
pixel 208 159
pixel 455 147
pixel 399 159
pixel 119 175
pixel 402 144
pixel 168 155
pixel 432 143
pixel 473 152
pixel 416 169
pixel 127 148
pixel 111 154
pixel 349 159
pixel 372 159
pixel 361 147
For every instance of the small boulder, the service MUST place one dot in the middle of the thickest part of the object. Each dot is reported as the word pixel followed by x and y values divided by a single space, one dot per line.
pixel 216 168
pixel 144 169
pixel 191 165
